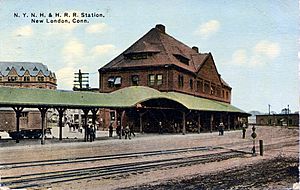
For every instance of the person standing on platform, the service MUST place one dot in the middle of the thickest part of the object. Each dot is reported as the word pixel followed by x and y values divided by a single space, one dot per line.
pixel 118 130
pixel 110 130
pixel 131 130
pixel 160 127
pixel 127 132
pixel 221 128
pixel 92 134
pixel 244 128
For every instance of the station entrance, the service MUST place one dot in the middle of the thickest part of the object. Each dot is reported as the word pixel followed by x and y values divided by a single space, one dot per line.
pixel 168 116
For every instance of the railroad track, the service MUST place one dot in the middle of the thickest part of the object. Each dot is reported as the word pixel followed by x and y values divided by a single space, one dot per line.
pixel 45 179
pixel 103 157
pixel 247 145
pixel 281 145
pixel 131 155
pixel 247 142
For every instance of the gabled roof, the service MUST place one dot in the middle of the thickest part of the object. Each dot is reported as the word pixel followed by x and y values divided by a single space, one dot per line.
pixel 21 67
pixel 164 49
pixel 224 83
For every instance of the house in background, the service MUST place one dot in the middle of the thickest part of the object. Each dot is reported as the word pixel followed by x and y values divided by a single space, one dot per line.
pixel 286 119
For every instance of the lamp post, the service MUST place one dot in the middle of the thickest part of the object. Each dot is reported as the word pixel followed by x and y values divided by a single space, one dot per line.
pixel 269 114
pixel 253 135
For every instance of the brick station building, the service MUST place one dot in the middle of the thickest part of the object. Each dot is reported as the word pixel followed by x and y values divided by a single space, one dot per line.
pixel 24 75
pixel 158 60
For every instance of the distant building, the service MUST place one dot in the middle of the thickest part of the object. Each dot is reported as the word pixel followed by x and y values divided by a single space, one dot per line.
pixel 278 119
pixel 24 75
pixel 27 75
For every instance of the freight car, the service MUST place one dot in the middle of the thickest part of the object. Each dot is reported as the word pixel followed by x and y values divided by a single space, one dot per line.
pixel 30 124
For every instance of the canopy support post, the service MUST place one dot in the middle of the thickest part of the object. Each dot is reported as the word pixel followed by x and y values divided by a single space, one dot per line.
pixel 235 122
pixel 94 117
pixel 18 111
pixel 199 123
pixel 228 117
pixel 60 123
pixel 43 115
pixel 183 123
pixel 211 122
pixel 86 112
pixel 141 122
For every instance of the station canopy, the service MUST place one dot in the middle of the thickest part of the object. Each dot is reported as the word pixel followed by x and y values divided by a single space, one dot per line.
pixel 123 98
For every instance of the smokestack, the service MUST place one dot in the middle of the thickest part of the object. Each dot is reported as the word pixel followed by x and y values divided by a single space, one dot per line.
pixel 161 27
pixel 195 48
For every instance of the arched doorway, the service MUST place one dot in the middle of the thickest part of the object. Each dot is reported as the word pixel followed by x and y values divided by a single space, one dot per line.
pixel 159 115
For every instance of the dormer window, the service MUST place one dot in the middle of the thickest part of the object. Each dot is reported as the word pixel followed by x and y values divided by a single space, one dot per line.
pixel 182 59
pixel 139 55
pixel 22 69
pixel 35 69
pixel 12 78
pixel 26 78
pixel 7 69
pixel 40 78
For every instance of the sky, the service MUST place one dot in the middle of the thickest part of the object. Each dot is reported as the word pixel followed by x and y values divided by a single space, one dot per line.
pixel 254 43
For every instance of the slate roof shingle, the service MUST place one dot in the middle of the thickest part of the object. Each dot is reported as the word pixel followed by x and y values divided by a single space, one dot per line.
pixel 21 67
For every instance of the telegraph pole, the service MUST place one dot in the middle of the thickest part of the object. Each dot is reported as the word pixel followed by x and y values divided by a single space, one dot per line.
pixel 81 81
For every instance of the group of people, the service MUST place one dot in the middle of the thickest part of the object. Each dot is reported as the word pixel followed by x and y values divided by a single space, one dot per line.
pixel 221 129
pixel 127 131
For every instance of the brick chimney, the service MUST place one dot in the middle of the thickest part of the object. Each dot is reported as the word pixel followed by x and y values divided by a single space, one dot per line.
pixel 161 27
pixel 195 48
